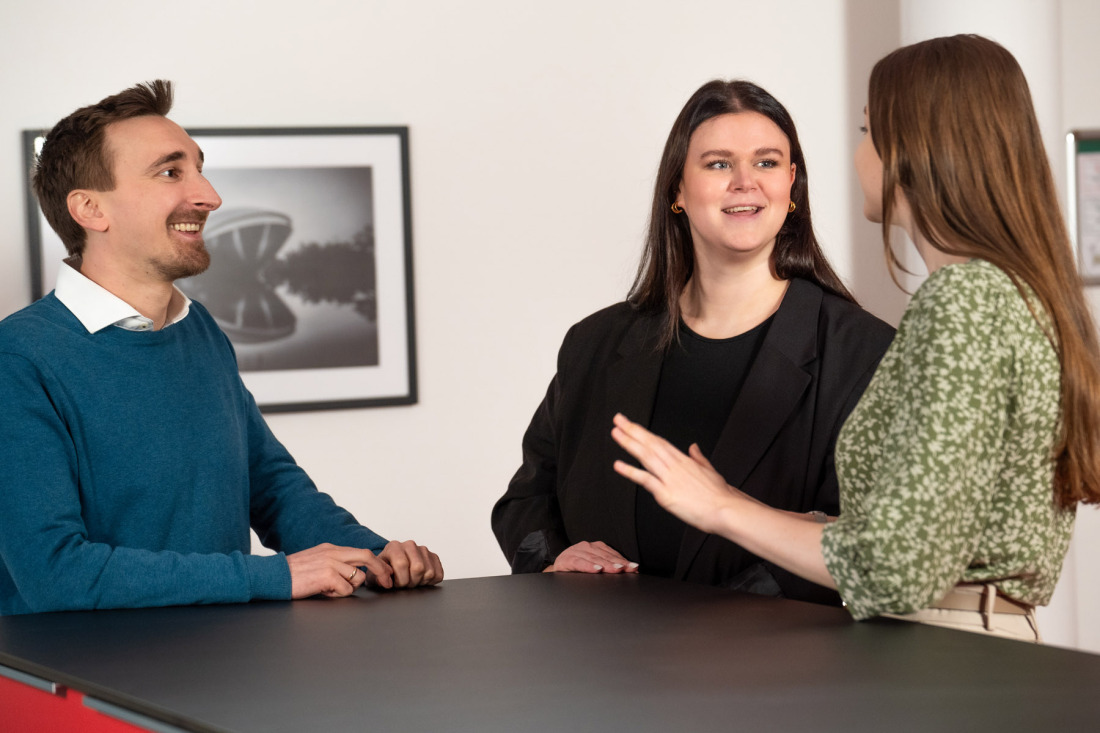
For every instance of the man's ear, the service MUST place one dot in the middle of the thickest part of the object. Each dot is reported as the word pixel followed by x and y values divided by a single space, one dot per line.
pixel 85 211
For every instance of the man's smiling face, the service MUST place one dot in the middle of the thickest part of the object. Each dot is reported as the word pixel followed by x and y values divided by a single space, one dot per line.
pixel 156 211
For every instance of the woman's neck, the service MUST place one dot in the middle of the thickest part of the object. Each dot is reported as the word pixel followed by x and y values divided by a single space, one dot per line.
pixel 933 258
pixel 726 304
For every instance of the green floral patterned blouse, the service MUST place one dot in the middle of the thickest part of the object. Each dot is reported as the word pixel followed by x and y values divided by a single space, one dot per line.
pixel 945 464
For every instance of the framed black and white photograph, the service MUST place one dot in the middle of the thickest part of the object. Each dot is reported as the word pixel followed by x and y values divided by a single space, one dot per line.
pixel 311 262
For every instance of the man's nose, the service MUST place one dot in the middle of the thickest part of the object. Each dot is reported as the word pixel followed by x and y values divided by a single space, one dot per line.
pixel 204 195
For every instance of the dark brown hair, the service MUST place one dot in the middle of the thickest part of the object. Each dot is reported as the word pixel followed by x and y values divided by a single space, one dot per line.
pixel 953 121
pixel 75 156
pixel 668 259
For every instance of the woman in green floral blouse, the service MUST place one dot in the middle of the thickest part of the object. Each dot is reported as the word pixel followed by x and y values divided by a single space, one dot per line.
pixel 961 467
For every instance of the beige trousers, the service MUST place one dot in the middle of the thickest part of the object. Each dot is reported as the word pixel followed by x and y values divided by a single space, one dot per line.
pixel 1006 625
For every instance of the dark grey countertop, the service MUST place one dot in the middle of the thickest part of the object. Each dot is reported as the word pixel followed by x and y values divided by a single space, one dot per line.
pixel 552 653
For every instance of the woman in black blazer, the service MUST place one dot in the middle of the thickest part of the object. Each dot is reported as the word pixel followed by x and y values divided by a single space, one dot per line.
pixel 736 335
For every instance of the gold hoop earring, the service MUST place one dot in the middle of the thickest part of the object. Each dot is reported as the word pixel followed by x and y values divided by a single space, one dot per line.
pixel 676 209
pixel 791 208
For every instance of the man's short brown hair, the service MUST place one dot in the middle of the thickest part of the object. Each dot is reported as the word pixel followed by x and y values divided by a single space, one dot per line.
pixel 75 156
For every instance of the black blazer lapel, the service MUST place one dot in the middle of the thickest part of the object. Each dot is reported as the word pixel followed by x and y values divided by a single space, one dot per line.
pixel 631 390
pixel 772 391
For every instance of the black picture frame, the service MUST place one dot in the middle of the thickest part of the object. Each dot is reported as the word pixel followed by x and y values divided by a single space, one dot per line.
pixel 316 229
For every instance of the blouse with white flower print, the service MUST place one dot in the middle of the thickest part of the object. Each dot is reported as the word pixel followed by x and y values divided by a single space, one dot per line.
pixel 945 465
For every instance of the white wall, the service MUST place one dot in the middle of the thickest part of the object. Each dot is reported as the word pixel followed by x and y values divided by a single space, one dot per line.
pixel 535 134
pixel 534 138
pixel 1081 110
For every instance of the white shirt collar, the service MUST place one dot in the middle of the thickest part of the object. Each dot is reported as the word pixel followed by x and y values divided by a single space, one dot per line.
pixel 97 308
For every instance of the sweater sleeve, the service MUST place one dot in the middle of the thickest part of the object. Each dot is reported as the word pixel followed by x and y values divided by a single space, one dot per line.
pixel 286 510
pixel 50 562
pixel 927 444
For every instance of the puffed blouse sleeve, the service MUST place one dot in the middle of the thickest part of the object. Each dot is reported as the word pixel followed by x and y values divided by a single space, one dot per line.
pixel 918 458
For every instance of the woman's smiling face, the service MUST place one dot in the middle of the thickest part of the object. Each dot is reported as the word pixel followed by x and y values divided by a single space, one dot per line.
pixel 736 184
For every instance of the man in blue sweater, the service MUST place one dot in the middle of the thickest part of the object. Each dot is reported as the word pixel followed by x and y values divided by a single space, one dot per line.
pixel 134 459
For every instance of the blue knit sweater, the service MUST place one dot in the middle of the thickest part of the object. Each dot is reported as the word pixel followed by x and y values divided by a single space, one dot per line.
pixel 133 464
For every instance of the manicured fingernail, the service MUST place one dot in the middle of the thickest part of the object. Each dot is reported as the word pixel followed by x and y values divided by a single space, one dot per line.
pixel 619 565
pixel 598 567
pixel 632 565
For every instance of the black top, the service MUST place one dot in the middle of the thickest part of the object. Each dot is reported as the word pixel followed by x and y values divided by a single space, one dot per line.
pixel 700 381
pixel 777 445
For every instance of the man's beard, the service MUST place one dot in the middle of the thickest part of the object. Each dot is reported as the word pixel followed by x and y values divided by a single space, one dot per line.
pixel 187 264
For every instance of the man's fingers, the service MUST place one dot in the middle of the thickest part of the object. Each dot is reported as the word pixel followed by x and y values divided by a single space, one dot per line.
pixel 379 571
pixel 330 570
pixel 355 557
pixel 356 577
pixel 437 569
pixel 413 565
pixel 431 568
pixel 396 554
pixel 337 571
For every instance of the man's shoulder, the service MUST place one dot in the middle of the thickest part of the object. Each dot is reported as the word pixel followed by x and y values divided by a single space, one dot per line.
pixel 33 324
pixel 43 308
pixel 198 315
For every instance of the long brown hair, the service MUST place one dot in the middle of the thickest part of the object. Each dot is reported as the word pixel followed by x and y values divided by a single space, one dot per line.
pixel 668 258
pixel 953 121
